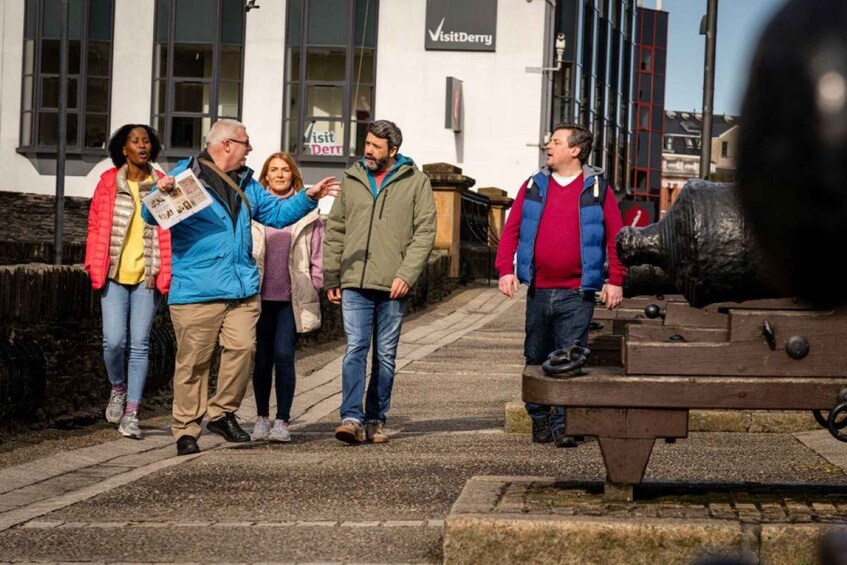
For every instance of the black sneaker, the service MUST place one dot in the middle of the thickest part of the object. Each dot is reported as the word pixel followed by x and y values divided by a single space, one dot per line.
pixel 228 427
pixel 541 430
pixel 562 440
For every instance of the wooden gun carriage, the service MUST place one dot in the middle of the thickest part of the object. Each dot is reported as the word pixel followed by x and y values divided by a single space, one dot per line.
pixel 760 354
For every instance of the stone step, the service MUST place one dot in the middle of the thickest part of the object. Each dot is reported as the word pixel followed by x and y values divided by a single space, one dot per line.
pixel 545 520
pixel 754 421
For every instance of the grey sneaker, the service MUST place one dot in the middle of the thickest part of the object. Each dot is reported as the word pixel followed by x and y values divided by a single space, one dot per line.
pixel 350 431
pixel 375 432
pixel 115 409
pixel 128 426
pixel 261 429
pixel 280 432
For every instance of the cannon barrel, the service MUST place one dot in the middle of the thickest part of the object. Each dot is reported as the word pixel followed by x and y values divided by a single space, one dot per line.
pixel 704 246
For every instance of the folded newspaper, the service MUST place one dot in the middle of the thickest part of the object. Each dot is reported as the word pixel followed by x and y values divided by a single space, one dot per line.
pixel 186 199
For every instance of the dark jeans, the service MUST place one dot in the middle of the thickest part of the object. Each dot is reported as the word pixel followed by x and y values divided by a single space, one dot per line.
pixel 555 318
pixel 276 336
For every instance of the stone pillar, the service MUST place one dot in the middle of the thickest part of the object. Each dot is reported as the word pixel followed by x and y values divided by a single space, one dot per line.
pixel 448 184
pixel 497 215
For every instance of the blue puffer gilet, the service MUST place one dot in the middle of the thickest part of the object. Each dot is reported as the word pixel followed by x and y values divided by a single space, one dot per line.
pixel 592 231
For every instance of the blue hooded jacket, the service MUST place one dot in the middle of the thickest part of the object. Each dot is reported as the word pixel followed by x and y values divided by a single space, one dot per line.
pixel 212 253
pixel 592 244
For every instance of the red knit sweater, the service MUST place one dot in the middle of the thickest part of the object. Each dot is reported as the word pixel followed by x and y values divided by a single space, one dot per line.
pixel 557 255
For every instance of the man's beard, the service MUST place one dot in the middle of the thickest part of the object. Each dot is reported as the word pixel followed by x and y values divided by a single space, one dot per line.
pixel 377 165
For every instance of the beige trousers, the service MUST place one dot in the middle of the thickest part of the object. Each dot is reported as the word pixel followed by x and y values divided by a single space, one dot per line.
pixel 197 328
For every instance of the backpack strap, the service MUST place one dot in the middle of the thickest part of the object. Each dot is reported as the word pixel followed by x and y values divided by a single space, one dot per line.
pixel 226 178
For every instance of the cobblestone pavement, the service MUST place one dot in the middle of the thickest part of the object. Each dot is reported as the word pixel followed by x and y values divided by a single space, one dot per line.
pixel 317 500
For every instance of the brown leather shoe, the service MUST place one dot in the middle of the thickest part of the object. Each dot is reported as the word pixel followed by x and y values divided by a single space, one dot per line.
pixel 375 432
pixel 350 431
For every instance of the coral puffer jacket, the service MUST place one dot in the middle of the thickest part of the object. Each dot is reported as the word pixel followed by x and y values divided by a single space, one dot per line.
pixel 105 240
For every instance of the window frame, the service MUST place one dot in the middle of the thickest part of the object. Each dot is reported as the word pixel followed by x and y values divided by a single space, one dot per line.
pixel 171 81
pixel 302 85
pixel 77 148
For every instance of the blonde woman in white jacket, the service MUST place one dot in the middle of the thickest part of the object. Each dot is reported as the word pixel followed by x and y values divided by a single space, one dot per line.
pixel 291 264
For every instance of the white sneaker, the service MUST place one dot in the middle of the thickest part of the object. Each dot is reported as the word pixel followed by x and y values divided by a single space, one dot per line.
pixel 115 408
pixel 261 429
pixel 280 432
pixel 128 426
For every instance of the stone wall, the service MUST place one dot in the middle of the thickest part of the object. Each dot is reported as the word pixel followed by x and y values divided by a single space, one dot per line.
pixel 26 235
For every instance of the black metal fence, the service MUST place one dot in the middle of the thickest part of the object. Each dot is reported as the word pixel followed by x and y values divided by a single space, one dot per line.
pixel 476 232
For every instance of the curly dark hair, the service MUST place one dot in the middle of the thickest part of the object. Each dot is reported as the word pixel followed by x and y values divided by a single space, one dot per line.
pixel 118 140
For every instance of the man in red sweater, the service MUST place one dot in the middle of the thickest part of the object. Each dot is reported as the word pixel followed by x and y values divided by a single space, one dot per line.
pixel 563 227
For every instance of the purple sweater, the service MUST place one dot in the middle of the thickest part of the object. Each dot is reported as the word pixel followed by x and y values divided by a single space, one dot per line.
pixel 276 284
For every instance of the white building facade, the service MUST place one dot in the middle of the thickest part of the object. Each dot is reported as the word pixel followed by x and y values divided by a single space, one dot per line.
pixel 305 76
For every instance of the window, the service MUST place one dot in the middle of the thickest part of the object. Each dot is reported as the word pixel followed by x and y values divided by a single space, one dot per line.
pixel 724 149
pixel 329 77
pixel 198 57
pixel 668 143
pixel 90 25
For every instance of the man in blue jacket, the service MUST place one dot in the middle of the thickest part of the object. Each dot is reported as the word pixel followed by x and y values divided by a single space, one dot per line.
pixel 215 286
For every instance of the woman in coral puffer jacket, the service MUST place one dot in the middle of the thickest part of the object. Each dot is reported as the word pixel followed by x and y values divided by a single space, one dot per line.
pixel 129 261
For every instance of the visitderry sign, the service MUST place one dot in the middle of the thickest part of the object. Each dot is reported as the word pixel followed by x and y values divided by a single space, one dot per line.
pixel 461 25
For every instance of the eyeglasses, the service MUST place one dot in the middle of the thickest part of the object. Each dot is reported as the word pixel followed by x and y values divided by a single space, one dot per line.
pixel 244 143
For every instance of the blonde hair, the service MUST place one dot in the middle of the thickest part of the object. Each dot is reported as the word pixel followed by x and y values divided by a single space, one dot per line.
pixel 296 176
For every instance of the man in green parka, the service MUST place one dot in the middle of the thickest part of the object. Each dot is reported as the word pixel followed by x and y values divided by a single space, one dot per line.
pixel 379 234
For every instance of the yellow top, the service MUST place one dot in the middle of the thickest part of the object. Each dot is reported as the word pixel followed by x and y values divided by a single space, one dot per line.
pixel 131 266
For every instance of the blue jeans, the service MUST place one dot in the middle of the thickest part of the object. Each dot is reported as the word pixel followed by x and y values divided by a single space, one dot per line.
pixel 127 309
pixel 276 336
pixel 366 313
pixel 555 318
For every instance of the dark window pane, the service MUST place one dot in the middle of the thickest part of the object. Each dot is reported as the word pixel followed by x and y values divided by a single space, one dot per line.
pixel 50 56
pixel 295 15
pixel 657 118
pixel 96 130
pixel 195 21
pixel 163 17
pixel 159 96
pixel 192 60
pixel 655 181
pixel 659 89
pixel 97 95
pixel 327 22
pixel 362 103
pixel 661 29
pixel 644 117
pixel 643 148
pixel 655 151
pixel 646 62
pixel 31 19
pixel 659 65
pixel 52 19
pixel 292 96
pixel 645 91
pixel 232 22
pixel 191 97
pixel 228 98
pixel 50 92
pixel 159 126
pixel 325 64
pixel 641 179
pixel 188 133
pixel 160 60
pixel 363 66
pixel 292 64
pixel 323 138
pixel 48 129
pixel 100 20
pixel 230 62
pixel 99 54
pixel 324 101
pixel 365 22
pixel 647 27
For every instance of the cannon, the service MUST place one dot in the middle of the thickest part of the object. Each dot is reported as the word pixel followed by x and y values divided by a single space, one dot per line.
pixel 738 343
